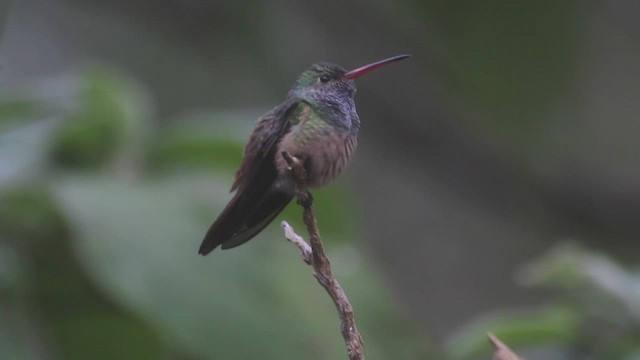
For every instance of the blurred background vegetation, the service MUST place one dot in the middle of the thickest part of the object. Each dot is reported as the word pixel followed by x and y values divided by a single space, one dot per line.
pixel 496 187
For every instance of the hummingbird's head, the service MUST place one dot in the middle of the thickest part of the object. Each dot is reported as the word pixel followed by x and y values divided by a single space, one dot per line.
pixel 325 87
pixel 327 81
pixel 324 80
pixel 330 89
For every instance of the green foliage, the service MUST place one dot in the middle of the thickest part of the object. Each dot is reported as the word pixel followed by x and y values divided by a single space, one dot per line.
pixel 28 213
pixel 107 336
pixel 529 328
pixel 191 145
pixel 109 113
pixel 603 293
pixel 596 313
pixel 14 110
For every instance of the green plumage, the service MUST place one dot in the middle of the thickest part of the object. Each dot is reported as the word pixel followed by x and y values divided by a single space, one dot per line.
pixel 307 125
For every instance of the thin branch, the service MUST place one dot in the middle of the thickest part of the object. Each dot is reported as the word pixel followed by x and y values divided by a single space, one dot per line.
pixel 500 350
pixel 319 261
pixel 297 240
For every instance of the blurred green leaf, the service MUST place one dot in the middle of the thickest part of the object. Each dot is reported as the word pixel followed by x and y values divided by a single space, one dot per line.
pixel 198 148
pixel 54 286
pixel 81 322
pixel 602 296
pixel 91 136
pixel 14 110
pixel 142 259
pixel 145 258
pixel 203 139
pixel 625 346
pixel 16 334
pixel 106 336
pixel 111 114
pixel 601 287
pixel 525 328
pixel 28 216
pixel 58 289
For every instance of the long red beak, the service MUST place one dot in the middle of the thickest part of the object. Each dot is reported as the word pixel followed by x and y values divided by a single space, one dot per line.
pixel 356 73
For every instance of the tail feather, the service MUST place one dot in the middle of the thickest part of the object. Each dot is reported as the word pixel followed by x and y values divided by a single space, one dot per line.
pixel 224 227
pixel 262 216
pixel 238 223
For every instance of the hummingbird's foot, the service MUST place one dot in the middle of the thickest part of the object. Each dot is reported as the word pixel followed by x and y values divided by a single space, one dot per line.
pixel 306 201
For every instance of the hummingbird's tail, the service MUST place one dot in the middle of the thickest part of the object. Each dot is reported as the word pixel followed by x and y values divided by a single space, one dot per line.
pixel 239 222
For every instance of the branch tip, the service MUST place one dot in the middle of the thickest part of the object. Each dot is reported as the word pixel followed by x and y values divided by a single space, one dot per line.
pixel 501 351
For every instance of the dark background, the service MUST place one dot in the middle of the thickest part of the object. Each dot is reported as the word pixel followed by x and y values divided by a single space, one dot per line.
pixel 495 187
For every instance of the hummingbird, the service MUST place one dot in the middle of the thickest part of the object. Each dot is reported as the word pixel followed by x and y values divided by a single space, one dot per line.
pixel 316 123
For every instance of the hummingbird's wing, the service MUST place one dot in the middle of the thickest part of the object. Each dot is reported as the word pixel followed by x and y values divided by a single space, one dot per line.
pixel 255 204
pixel 268 131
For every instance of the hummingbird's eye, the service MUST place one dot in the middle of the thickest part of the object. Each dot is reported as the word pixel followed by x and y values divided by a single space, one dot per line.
pixel 324 79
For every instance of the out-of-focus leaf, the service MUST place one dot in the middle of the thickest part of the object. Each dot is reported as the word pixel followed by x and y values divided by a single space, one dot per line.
pixel 56 288
pixel 633 355
pixel 14 110
pixel 111 114
pixel 624 346
pixel 80 322
pixel 532 328
pixel 561 266
pixel 146 258
pixel 16 337
pixel 610 291
pixel 258 301
pixel 199 150
pixel 28 216
pixel 106 336
pixel 206 139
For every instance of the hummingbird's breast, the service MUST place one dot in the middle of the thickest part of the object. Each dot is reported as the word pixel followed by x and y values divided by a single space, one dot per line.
pixel 325 149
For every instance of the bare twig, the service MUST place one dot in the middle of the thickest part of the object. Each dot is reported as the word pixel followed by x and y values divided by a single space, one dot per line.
pixel 297 240
pixel 500 350
pixel 318 259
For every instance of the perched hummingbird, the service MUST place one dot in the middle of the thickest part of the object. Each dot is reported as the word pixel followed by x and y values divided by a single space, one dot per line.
pixel 316 123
